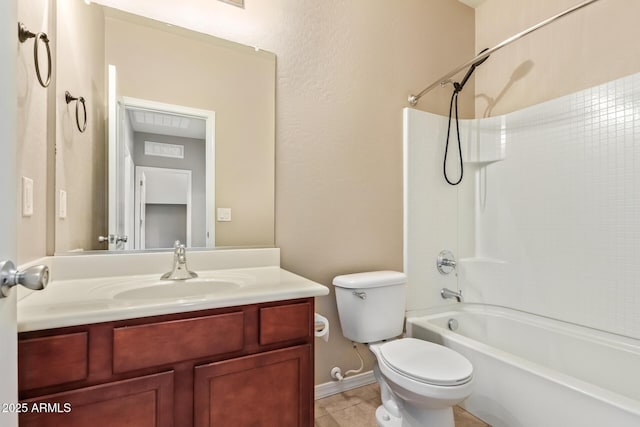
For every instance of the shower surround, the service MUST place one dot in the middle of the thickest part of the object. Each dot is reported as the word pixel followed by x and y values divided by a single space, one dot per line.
pixel 547 219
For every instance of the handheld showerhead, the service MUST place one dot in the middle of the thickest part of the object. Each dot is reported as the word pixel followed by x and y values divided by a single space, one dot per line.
pixel 458 86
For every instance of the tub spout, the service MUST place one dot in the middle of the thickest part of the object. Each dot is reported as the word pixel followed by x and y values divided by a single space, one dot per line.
pixel 448 293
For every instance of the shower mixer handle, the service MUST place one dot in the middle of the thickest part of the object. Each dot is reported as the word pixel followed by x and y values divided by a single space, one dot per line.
pixel 446 262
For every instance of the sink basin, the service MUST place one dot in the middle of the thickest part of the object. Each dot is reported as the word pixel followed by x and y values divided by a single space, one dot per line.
pixel 172 289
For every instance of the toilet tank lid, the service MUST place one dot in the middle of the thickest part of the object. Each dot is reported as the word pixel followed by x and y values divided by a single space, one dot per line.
pixel 370 279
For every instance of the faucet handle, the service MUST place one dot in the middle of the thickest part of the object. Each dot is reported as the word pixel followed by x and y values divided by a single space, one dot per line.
pixel 178 248
pixel 180 270
pixel 446 262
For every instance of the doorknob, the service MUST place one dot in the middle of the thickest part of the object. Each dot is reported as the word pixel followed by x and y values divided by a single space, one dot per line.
pixel 35 278
pixel 113 238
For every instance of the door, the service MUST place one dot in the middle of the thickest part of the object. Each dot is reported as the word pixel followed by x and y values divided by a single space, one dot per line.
pixel 163 206
pixel 224 390
pixel 141 402
pixel 117 164
pixel 8 109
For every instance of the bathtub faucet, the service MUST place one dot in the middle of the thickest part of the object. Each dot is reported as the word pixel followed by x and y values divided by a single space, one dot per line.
pixel 446 293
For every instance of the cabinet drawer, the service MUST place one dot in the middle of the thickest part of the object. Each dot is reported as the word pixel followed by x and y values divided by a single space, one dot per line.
pixel 154 344
pixel 285 323
pixel 52 360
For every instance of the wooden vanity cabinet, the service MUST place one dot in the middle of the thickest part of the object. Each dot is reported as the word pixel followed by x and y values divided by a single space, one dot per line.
pixel 239 366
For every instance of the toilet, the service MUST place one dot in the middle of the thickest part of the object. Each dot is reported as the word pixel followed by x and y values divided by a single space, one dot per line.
pixel 420 381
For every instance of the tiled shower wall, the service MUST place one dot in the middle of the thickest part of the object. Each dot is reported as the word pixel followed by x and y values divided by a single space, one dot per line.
pixel 551 224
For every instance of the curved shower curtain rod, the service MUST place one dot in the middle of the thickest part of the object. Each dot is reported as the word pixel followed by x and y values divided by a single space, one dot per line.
pixel 413 99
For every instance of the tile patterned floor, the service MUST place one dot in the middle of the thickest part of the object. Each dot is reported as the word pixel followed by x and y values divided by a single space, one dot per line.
pixel 356 408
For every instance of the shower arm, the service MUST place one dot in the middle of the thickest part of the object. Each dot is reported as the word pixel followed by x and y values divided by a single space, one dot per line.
pixel 413 99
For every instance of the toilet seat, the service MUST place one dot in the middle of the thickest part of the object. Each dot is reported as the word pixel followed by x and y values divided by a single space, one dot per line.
pixel 426 362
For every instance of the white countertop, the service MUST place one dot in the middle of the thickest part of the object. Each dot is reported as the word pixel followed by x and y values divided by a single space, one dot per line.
pixel 92 300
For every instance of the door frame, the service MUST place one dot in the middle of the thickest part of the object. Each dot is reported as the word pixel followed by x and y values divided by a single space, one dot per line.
pixel 114 139
pixel 209 117
pixel 8 214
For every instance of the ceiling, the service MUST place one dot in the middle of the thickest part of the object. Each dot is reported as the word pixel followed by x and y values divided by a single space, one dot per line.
pixel 472 3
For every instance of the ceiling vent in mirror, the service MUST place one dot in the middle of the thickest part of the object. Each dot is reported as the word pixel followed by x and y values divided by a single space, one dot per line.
pixel 239 3
pixel 162 149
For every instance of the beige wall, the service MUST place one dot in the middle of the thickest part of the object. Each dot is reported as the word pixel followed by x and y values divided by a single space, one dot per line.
pixel 345 70
pixel 235 82
pixel 34 127
pixel 80 157
pixel 592 46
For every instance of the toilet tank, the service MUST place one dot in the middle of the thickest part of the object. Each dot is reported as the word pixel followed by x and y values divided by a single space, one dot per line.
pixel 371 305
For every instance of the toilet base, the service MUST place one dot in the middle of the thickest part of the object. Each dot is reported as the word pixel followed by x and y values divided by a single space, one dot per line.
pixel 385 419
pixel 434 418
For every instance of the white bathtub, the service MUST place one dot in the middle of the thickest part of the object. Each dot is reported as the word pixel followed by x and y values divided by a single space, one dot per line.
pixel 533 371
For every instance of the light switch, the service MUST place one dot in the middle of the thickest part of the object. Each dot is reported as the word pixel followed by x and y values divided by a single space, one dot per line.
pixel 62 205
pixel 27 196
pixel 224 214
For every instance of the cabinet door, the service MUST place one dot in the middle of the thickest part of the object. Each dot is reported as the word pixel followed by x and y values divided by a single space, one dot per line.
pixel 138 402
pixel 272 389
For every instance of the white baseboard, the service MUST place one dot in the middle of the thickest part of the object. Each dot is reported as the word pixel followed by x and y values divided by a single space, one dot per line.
pixel 335 387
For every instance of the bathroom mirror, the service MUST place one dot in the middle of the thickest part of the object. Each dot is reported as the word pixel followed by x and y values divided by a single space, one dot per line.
pixel 179 142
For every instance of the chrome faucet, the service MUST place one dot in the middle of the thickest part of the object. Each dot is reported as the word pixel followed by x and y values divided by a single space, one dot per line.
pixel 448 293
pixel 180 270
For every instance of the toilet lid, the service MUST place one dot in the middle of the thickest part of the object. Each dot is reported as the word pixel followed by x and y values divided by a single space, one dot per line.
pixel 426 362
